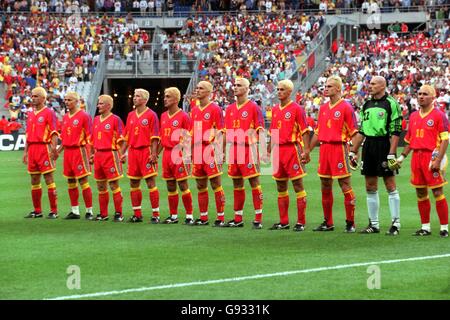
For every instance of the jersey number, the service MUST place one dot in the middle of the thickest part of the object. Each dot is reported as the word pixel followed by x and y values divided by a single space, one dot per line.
pixel 419 133
pixel 236 123
pixel 167 132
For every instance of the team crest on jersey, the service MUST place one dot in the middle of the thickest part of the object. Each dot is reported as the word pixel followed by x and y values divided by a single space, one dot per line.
pixel 295 167
pixel 249 166
pixel 41 119
pixel 180 169
pixel 207 116
pixel 108 126
pixel 144 122
pixel 384 164
pixel 75 122
pixel 175 123
pixel 211 165
pixel 435 174
pixel 46 163
pixel 112 170
pixel 430 123
pixel 287 115
pixel 148 165
pixel 381 114
pixel 340 165
pixel 80 167
pixel 337 114
pixel 244 114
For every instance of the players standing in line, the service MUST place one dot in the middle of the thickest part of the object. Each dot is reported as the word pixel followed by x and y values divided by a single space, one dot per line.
pixel 40 152
pixel 336 126
pixel 175 139
pixel 380 129
pixel 288 131
pixel 76 136
pixel 107 137
pixel 207 136
pixel 142 137
pixel 243 120
pixel 427 137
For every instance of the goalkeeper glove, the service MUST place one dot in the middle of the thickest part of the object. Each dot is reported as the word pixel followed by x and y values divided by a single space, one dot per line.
pixel 353 160
pixel 394 163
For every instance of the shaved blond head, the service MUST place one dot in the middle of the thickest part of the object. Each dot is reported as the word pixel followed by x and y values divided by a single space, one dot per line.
pixel 206 85
pixel 72 94
pixel 39 91
pixel 174 92
pixel 243 81
pixel 429 89
pixel 286 84
pixel 144 93
pixel 336 80
pixel 106 99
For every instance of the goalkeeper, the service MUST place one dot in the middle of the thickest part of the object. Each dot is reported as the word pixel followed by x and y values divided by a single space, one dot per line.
pixel 380 130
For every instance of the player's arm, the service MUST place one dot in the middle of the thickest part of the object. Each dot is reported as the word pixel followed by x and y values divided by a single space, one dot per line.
pixel 437 159
pixel 25 154
pixel 314 141
pixel 53 146
pixel 154 150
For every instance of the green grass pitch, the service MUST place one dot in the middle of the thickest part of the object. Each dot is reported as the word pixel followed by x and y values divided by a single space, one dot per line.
pixel 35 254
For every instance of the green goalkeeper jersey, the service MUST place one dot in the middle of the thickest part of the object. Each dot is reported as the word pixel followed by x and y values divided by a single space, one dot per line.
pixel 381 117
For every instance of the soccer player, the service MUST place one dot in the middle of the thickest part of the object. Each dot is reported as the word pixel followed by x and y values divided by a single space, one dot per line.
pixel 175 140
pixel 288 131
pixel 40 152
pixel 142 138
pixel 207 134
pixel 76 136
pixel 243 120
pixel 427 137
pixel 380 129
pixel 107 138
pixel 336 126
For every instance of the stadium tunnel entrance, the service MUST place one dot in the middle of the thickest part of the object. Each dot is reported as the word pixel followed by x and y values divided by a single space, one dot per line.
pixel 122 91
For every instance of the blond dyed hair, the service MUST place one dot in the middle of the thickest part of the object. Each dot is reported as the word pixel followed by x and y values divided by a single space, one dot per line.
pixel 173 91
pixel 337 81
pixel 107 99
pixel 73 94
pixel 429 89
pixel 145 93
pixel 41 91
pixel 286 84
pixel 207 84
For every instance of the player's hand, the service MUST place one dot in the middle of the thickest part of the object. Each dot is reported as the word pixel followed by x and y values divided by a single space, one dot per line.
pixel 305 157
pixel 25 158
pixel 123 158
pixel 265 158
pixel 353 160
pixel 393 162
pixel 437 164
pixel 91 159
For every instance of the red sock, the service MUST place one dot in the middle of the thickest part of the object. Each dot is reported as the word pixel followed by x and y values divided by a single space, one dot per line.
pixel 187 201
pixel 154 200
pixel 349 202
pixel 219 196
pixel 173 202
pixel 203 202
pixel 239 200
pixel 87 195
pixel 283 207
pixel 424 209
pixel 136 201
pixel 442 209
pixel 118 200
pixel 301 207
pixel 103 201
pixel 73 194
pixel 52 197
pixel 327 205
pixel 257 196
pixel 36 196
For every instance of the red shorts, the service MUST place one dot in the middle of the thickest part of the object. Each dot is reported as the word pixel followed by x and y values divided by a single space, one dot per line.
pixel 107 165
pixel 243 161
pixel 139 166
pixel 172 170
pixel 421 175
pixel 333 161
pixel 205 163
pixel 287 163
pixel 76 163
pixel 39 159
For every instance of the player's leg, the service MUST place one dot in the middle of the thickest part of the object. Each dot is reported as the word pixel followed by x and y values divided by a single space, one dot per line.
pixel 424 206
pixel 103 200
pixel 301 204
pixel 349 203
pixel 74 194
pixel 203 200
pixel 394 204
pixel 283 206
pixel 186 197
pixel 136 200
pixel 86 191
pixel 52 195
pixel 257 196
pixel 117 198
pixel 239 200
pixel 154 198
pixel 442 210
pixel 219 196
pixel 36 196
pixel 172 197
pixel 326 186
pixel 373 204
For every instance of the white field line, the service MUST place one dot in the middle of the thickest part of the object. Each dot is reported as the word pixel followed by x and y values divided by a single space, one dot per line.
pixel 244 278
